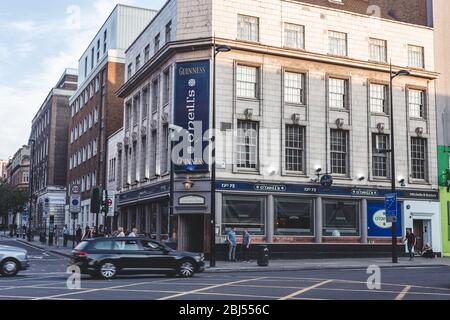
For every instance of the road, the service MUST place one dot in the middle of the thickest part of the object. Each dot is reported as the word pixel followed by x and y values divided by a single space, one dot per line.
pixel 46 280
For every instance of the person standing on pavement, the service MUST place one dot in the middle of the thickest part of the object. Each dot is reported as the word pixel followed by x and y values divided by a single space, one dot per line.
pixel 120 233
pixel 246 242
pixel 133 233
pixel 78 234
pixel 87 234
pixel 231 238
pixel 65 235
pixel 411 241
pixel 57 233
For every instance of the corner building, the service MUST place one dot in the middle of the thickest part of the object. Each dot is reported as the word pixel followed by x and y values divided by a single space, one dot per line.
pixel 303 92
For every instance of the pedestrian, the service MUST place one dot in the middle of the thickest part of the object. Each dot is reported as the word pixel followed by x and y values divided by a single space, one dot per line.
pixel 78 234
pixel 87 234
pixel 133 233
pixel 246 242
pixel 231 238
pixel 24 231
pixel 411 241
pixel 57 234
pixel 120 233
pixel 65 235
pixel 101 231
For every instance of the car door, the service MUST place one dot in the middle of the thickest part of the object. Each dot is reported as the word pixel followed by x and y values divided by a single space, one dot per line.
pixel 157 257
pixel 129 254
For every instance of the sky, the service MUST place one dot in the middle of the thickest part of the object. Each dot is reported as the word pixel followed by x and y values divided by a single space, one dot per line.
pixel 38 41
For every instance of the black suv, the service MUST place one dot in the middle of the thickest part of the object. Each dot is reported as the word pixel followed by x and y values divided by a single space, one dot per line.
pixel 108 257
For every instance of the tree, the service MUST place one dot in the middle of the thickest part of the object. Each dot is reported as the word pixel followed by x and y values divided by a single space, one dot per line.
pixel 12 199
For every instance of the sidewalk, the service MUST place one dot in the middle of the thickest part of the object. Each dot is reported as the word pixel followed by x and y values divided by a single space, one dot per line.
pixel 286 265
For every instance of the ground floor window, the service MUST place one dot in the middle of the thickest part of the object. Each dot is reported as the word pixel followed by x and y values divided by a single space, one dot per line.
pixel 241 212
pixel 340 218
pixel 142 219
pixel 165 219
pixel 153 219
pixel 294 217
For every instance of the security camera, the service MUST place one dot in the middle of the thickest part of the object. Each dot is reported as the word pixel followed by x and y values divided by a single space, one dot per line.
pixel 402 182
pixel 319 170
pixel 314 180
pixel 361 178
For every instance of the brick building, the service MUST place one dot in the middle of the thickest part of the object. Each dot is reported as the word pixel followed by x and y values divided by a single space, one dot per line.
pixel 95 110
pixel 48 143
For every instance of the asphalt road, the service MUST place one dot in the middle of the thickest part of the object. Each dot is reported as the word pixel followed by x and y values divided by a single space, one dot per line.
pixel 46 280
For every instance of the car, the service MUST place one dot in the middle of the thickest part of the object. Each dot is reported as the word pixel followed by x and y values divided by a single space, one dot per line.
pixel 12 260
pixel 108 257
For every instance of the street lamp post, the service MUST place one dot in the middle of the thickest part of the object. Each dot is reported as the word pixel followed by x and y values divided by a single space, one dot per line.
pixel 32 142
pixel 392 151
pixel 217 49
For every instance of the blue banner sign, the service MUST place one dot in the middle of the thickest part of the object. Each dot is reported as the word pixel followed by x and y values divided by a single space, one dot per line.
pixel 192 113
pixel 377 222
pixel 390 204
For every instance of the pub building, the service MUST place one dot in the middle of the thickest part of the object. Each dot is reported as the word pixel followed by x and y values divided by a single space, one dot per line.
pixel 289 111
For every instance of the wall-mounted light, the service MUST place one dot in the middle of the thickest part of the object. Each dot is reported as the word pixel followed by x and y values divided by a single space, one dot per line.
pixel 188 184
pixel 361 178
pixel 402 182
pixel 318 170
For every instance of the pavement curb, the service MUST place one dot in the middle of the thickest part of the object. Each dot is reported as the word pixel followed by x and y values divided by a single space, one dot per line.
pixel 65 255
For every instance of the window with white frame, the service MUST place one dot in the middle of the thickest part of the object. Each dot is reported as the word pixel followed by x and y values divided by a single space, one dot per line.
pixel 247 145
pixel 166 87
pixel 155 96
pixel 418 158
pixel 153 153
pixel 165 149
pixel 378 98
pixel 339 152
pixel 157 42
pixel 247 82
pixel 378 50
pixel 169 31
pixel 145 97
pixel 295 148
pixel 294 84
pixel 138 62
pixel 380 156
pixel 415 56
pixel 248 28
pixel 337 43
pixel 416 101
pixel 294 36
pixel 147 53
pixel 337 93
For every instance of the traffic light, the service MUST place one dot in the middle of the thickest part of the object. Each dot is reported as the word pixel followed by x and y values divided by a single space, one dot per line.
pixel 96 200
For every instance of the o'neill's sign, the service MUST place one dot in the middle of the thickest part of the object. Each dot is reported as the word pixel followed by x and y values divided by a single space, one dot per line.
pixel 192 105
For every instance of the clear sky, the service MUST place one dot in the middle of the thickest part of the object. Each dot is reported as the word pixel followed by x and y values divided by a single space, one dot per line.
pixel 38 41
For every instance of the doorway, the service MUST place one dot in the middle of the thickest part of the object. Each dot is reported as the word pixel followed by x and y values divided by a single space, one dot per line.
pixel 421 230
pixel 191 232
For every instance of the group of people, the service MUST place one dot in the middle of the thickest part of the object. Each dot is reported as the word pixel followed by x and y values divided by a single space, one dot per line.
pixel 232 245
pixel 411 241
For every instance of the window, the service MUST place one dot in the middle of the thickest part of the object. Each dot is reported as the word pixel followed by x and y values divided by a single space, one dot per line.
pixel 169 32
pixel 416 57
pixel 341 218
pixel 138 62
pixel 130 70
pixel 247 145
pixel 419 158
pixel 295 148
pixel 166 87
pixel 337 93
pixel 247 82
pixel 293 217
pixel 92 57
pixel 153 148
pixel 378 98
pixel 105 38
pixel 155 95
pixel 248 28
pixel 157 42
pixel 416 101
pixel 145 97
pixel 127 115
pixel 337 43
pixel 26 177
pixel 143 168
pixel 147 53
pixel 380 158
pixel 339 152
pixel 96 114
pixel 85 66
pixel 378 50
pixel 294 84
pixel 165 150
pixel 294 36
pixel 243 212
pixel 136 105
pixel 98 50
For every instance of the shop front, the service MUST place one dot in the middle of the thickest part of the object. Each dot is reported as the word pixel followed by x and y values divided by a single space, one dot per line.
pixel 301 214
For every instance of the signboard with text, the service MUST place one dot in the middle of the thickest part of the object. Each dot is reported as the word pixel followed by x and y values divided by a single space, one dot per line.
pixel 377 222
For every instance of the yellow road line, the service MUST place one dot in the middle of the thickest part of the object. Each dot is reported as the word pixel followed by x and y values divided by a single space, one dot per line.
pixel 295 294
pixel 402 294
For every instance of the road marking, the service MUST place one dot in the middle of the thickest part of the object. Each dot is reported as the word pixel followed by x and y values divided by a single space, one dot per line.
pixel 293 295
pixel 210 288
pixel 402 294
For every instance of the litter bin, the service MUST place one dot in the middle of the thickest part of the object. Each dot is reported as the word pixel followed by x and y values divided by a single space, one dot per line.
pixel 263 256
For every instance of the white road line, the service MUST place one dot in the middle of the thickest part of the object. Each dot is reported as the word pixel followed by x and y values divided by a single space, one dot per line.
pixel 210 288
pixel 295 294
pixel 402 294
pixel 82 291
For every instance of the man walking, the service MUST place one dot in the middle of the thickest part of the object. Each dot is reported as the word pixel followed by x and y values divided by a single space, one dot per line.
pixel 411 242
pixel 65 235
pixel 231 238
pixel 246 241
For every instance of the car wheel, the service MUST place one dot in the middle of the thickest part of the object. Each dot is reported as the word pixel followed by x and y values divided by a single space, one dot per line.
pixel 9 268
pixel 107 270
pixel 186 269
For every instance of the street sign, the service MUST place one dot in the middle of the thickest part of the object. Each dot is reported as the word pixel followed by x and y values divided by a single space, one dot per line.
pixel 110 203
pixel 75 189
pixel 75 204
pixel 390 202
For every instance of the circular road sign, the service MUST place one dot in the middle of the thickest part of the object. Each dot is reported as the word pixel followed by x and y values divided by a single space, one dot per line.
pixel 75 202
pixel 75 189
pixel 109 202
